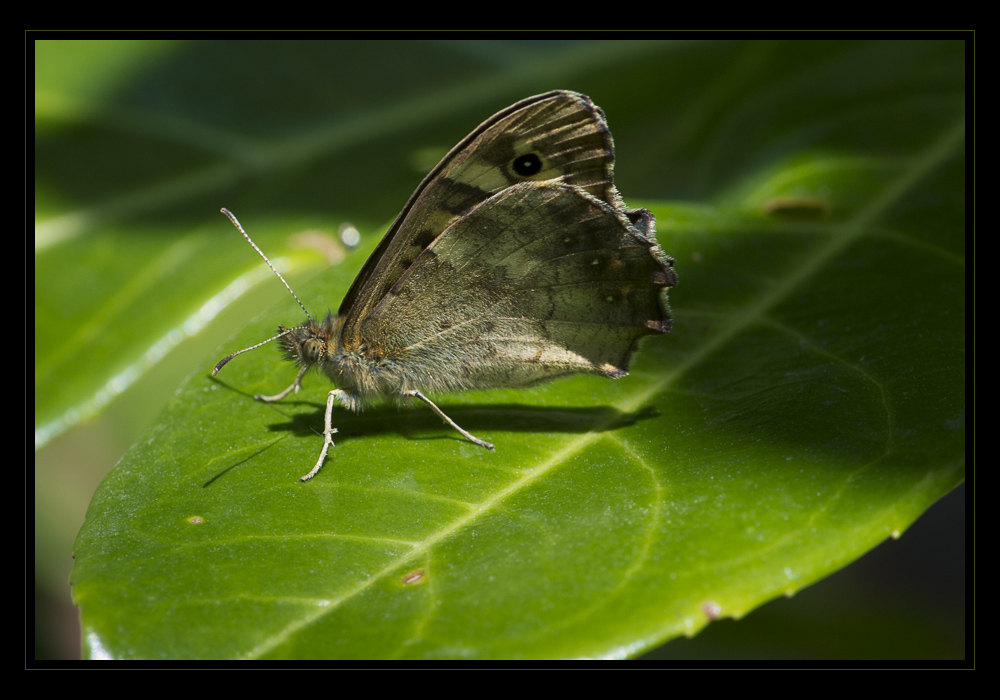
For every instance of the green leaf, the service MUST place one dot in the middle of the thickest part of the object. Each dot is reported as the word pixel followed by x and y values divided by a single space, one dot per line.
pixel 808 405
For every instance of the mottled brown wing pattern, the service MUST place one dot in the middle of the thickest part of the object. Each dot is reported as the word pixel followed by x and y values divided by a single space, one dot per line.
pixel 540 281
pixel 556 135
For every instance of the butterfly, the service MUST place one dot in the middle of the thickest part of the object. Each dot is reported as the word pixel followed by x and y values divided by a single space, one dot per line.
pixel 514 262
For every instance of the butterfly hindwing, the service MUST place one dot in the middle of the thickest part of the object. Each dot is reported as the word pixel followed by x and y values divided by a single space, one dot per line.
pixel 562 284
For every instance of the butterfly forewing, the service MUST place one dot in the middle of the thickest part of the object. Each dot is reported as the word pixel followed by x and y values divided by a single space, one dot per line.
pixel 555 135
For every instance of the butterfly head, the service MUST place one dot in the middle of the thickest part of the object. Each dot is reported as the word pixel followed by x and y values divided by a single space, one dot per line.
pixel 312 342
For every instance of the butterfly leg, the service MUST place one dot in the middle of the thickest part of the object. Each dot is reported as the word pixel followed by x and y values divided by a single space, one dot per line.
pixel 294 387
pixel 469 436
pixel 328 431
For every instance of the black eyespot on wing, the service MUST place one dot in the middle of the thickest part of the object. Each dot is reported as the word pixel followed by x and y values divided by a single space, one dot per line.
pixel 527 165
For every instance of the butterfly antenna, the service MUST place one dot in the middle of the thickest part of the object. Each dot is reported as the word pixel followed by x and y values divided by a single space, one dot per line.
pixel 236 223
pixel 223 361
pixel 285 331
